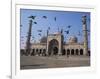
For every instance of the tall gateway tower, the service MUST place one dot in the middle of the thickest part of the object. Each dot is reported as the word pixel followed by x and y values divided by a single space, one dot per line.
pixel 84 24
pixel 54 44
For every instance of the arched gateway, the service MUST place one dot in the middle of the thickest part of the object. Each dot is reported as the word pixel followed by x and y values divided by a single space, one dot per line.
pixel 54 44
pixel 53 47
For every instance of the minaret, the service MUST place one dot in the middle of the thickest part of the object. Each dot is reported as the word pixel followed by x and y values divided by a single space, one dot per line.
pixel 84 24
pixel 47 43
pixel 62 40
pixel 28 44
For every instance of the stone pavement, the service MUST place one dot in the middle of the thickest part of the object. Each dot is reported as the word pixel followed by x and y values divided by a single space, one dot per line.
pixel 37 62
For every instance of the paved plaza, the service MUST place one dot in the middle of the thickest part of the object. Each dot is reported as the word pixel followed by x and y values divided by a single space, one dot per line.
pixel 40 62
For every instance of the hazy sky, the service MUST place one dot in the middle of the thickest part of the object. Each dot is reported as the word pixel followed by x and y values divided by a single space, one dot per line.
pixel 63 20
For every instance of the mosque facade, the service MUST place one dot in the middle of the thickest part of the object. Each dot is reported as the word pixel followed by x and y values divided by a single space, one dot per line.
pixel 54 44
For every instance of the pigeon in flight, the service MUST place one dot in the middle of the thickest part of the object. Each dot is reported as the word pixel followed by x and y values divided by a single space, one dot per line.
pixel 39 30
pixel 69 26
pixel 45 17
pixel 32 17
pixel 35 22
pixel 67 32
pixel 55 18
pixel 39 34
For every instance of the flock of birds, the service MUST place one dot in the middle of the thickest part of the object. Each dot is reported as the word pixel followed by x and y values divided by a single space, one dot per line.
pixel 67 31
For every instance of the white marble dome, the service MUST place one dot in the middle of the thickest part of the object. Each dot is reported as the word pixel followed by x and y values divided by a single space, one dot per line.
pixel 73 39
pixel 43 39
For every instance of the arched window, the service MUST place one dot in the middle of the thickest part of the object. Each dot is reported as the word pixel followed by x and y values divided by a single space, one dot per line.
pixel 22 52
pixel 36 50
pixel 89 52
pixel 72 52
pixel 64 52
pixel 44 50
pixel 40 51
pixel 81 51
pixel 68 52
pixel 77 52
pixel 33 52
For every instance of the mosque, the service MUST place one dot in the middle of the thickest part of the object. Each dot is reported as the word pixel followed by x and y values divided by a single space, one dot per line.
pixel 53 44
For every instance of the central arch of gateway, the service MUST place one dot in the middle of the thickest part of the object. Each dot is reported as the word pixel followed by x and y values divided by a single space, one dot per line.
pixel 53 47
pixel 54 44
